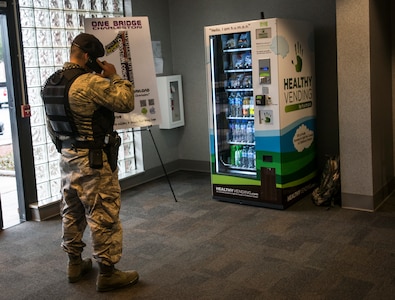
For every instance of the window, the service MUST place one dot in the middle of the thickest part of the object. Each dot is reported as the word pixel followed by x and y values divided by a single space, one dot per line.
pixel 48 28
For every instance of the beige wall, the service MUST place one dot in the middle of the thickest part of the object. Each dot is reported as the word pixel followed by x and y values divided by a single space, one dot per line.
pixel 365 102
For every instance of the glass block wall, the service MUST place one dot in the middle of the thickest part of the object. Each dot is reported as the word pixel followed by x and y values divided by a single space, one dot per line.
pixel 48 28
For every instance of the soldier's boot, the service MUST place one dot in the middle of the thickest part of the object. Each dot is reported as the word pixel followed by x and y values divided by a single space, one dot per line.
pixel 110 278
pixel 77 267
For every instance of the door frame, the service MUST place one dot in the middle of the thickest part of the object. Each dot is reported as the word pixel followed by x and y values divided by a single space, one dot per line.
pixel 17 97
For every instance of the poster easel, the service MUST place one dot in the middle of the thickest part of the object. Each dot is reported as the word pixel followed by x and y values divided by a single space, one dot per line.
pixel 148 128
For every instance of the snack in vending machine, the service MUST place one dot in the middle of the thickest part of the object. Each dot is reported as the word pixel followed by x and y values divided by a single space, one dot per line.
pixel 244 40
pixel 247 60
pixel 239 81
pixel 238 60
pixel 247 81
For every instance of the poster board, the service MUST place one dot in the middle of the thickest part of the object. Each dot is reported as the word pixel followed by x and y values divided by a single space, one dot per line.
pixel 127 43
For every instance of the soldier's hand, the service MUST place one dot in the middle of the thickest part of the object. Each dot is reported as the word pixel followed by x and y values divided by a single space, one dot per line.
pixel 108 68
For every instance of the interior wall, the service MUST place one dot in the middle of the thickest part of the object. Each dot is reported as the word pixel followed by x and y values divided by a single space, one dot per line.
pixel 381 101
pixel 365 102
pixel 393 69
pixel 354 96
pixel 187 20
pixel 167 141
pixel 182 24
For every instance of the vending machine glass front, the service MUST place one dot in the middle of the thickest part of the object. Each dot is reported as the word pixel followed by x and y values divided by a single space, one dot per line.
pixel 233 104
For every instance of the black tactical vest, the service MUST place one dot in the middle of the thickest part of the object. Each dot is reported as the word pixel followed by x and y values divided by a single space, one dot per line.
pixel 57 108
pixel 56 100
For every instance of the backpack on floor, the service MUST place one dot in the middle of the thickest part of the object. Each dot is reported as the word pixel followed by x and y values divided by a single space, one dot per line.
pixel 328 192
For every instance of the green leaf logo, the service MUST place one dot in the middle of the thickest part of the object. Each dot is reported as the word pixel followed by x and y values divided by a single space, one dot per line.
pixel 299 59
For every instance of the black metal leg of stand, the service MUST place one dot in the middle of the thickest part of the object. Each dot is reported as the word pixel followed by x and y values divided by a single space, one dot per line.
pixel 163 166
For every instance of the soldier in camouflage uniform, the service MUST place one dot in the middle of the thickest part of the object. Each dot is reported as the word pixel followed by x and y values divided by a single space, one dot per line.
pixel 91 196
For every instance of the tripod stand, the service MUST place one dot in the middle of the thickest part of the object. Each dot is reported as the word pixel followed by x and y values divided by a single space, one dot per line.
pixel 160 158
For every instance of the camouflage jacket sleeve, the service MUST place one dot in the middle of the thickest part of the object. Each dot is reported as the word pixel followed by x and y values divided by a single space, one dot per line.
pixel 114 93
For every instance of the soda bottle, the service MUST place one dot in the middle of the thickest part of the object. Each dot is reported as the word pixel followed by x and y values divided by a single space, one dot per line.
pixel 239 105
pixel 236 136
pixel 246 106
pixel 244 157
pixel 251 159
pixel 243 131
pixel 252 106
pixel 231 131
pixel 232 154
pixel 237 156
pixel 250 132
pixel 232 107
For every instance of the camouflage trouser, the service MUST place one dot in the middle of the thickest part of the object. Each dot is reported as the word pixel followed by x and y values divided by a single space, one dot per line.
pixel 90 196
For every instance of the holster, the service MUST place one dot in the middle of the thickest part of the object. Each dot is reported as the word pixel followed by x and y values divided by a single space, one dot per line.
pixel 112 150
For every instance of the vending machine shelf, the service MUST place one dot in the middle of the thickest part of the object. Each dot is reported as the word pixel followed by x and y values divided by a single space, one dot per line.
pixel 241 143
pixel 238 70
pixel 246 89
pixel 240 118
pixel 237 49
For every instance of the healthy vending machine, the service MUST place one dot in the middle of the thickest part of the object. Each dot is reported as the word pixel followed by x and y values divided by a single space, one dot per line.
pixel 260 77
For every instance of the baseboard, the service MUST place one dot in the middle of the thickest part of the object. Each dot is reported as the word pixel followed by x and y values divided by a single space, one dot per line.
pixel 368 203
pixel 50 210
pixel 158 172
pixel 44 212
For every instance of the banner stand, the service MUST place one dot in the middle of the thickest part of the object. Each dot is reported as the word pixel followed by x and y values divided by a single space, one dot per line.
pixel 160 158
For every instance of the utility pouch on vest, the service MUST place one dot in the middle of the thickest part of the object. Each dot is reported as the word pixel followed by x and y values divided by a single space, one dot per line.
pixel 96 158
pixel 112 149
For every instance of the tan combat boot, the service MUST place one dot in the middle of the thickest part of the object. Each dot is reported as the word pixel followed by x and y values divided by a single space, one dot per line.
pixel 110 278
pixel 77 267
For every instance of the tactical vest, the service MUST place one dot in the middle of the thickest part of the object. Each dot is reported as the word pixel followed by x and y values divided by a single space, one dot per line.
pixel 57 108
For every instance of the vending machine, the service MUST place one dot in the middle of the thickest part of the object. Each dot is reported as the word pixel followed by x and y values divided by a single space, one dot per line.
pixel 261 99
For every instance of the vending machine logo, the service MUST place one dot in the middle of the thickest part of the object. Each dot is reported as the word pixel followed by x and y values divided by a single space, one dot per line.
pixel 298 89
pixel 299 55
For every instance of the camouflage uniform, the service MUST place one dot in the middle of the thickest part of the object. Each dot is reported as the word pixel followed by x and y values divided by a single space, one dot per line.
pixel 92 196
